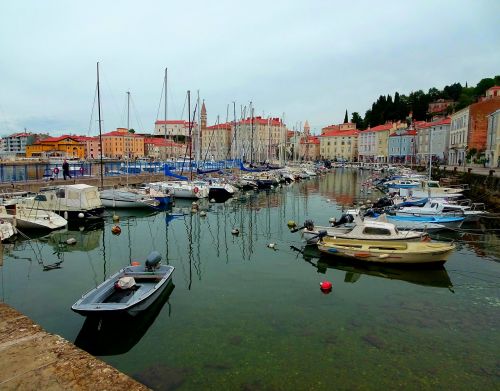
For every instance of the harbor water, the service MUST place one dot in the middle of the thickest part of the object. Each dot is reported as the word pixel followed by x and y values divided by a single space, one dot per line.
pixel 240 315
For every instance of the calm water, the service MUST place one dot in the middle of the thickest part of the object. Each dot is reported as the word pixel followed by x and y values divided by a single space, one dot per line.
pixel 240 315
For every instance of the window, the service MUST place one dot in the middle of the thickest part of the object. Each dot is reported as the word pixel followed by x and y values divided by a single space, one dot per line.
pixel 376 231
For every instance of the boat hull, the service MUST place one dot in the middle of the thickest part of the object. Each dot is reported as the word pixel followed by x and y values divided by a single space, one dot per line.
pixel 420 253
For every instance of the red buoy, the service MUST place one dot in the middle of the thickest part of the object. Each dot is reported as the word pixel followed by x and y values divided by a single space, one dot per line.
pixel 325 286
pixel 135 263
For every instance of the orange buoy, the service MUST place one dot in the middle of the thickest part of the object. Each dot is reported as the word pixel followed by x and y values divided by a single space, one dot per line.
pixel 135 263
pixel 116 230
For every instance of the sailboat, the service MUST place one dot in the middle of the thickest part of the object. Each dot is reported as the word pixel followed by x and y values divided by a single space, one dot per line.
pixel 121 197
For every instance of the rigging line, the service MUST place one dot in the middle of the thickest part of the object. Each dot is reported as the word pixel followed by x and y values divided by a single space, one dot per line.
pixel 92 111
pixel 210 141
pixel 159 103
pixel 136 111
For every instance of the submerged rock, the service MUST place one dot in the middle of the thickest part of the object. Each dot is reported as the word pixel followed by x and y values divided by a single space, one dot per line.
pixel 162 378
pixel 374 340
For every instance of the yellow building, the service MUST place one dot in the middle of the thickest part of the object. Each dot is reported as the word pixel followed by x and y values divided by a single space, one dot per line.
pixel 63 146
pixel 122 144
pixel 339 142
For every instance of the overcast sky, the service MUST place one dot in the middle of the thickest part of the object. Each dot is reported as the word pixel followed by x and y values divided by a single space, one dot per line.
pixel 310 60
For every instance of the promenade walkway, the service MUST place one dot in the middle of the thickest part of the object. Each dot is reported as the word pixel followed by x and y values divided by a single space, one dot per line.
pixel 480 170
pixel 32 359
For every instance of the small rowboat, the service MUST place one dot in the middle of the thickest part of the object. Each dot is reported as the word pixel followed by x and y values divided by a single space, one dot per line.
pixel 394 252
pixel 132 289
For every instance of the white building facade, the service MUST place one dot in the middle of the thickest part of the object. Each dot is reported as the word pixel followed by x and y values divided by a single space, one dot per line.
pixel 459 128
pixel 492 153
pixel 174 128
pixel 433 138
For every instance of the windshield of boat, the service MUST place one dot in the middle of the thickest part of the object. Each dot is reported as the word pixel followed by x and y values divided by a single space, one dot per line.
pixel 376 231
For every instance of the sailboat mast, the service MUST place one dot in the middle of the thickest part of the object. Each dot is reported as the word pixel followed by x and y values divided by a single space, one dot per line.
pixel 235 132
pixel 190 138
pixel 430 153
pixel 251 139
pixel 100 124
pixel 166 111
pixel 128 110
pixel 198 132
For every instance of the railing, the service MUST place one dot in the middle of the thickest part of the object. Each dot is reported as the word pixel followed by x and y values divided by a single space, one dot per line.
pixel 10 172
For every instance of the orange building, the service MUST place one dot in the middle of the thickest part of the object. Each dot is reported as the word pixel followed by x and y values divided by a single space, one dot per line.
pixel 122 144
pixel 478 120
pixel 64 146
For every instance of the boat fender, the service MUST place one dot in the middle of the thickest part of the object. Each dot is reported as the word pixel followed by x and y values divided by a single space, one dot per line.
pixel 56 171
pixel 81 170
pixel 116 230
pixel 153 260
pixel 71 241
pixel 81 215
pixel 135 263
pixel 196 190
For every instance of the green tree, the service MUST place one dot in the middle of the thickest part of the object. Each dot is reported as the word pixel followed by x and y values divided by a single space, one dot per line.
pixel 131 130
pixel 346 117
pixel 483 85
pixel 358 120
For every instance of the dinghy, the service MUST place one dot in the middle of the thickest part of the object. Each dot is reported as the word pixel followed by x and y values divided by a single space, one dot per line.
pixel 131 290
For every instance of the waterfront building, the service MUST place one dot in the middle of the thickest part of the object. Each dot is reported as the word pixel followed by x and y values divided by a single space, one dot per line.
pixel 339 142
pixel 373 143
pixel 92 146
pixel 439 107
pixel 63 146
pixel 433 137
pixel 161 149
pixel 459 126
pixel 309 148
pixel 178 129
pixel 17 142
pixel 469 127
pixel 260 139
pixel 402 146
pixel 493 140
pixel 121 144
pixel 216 142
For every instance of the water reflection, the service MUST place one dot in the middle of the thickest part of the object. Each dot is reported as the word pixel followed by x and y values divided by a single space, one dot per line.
pixel 112 335
pixel 435 277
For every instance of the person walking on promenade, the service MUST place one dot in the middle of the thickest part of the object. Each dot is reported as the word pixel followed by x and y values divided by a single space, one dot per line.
pixel 65 168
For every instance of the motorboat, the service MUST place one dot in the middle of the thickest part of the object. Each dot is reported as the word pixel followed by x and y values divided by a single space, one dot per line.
pixel 132 289
pixel 125 198
pixel 217 189
pixel 164 198
pixel 362 230
pixel 390 252
pixel 183 189
pixel 79 202
pixel 25 218
pixel 432 189
pixel 442 208
pixel 402 184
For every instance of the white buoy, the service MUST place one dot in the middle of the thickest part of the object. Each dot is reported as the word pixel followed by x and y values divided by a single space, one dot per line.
pixel 71 241
pixel 81 215
pixel 235 231
pixel 212 200
pixel 116 218
pixel 203 213
pixel 272 245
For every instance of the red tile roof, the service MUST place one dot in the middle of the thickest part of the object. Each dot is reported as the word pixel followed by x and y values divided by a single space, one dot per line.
pixel 262 121
pixel 117 133
pixel 337 132
pixel 411 132
pixel 20 135
pixel 57 139
pixel 161 142
pixel 380 128
pixel 225 126
pixel 423 124
pixel 310 140
pixel 175 122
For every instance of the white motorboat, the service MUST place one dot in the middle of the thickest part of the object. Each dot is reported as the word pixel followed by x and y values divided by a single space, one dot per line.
pixel 183 189
pixel 74 202
pixel 362 230
pixel 442 208
pixel 124 198
pixel 432 189
pixel 26 218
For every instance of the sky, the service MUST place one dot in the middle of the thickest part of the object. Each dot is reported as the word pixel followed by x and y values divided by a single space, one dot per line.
pixel 300 60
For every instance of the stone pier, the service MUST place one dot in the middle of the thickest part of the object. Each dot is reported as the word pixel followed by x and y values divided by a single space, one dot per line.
pixel 33 359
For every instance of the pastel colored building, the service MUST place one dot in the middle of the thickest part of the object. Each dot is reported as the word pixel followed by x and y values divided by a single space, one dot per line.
pixel 92 146
pixel 172 128
pixel 373 143
pixel 493 140
pixel 17 142
pixel 64 146
pixel 309 148
pixel 216 142
pixel 121 144
pixel 433 138
pixel 339 142
pixel 402 146
pixel 459 127
pixel 161 149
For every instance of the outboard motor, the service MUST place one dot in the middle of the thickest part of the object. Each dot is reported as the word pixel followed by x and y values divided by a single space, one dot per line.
pixel 344 219
pixel 383 202
pixel 153 261
pixel 309 225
